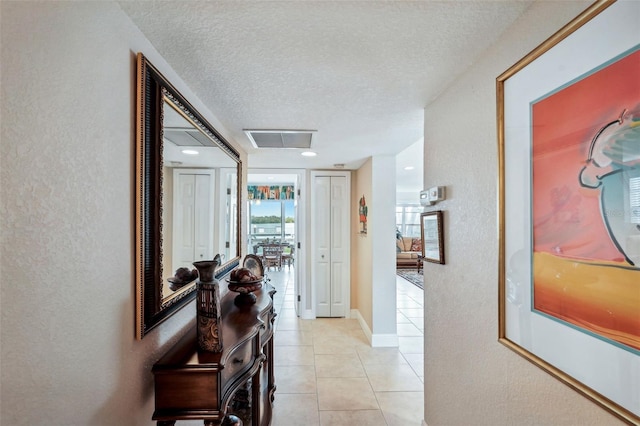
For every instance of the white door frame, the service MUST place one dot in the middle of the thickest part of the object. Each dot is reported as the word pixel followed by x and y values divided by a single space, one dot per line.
pixel 300 261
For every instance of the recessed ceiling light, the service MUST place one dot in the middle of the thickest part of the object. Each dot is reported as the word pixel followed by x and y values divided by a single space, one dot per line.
pixel 309 154
pixel 409 168
pixel 190 152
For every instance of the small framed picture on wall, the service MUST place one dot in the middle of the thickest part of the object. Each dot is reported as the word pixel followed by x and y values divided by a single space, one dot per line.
pixel 431 230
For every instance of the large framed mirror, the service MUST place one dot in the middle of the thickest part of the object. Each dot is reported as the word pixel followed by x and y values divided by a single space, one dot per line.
pixel 187 197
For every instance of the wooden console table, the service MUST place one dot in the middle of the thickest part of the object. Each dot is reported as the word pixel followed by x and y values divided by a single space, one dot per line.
pixel 195 385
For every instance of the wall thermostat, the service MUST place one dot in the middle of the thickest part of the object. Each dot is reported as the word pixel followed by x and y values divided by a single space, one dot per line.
pixel 432 195
pixel 436 193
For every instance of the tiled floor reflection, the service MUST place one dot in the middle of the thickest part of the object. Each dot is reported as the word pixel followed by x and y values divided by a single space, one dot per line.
pixel 328 375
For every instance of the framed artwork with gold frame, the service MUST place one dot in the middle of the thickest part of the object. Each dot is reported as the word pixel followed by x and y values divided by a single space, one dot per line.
pixel 569 212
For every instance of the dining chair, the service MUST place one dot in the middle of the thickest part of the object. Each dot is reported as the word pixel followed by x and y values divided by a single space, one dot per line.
pixel 287 255
pixel 272 256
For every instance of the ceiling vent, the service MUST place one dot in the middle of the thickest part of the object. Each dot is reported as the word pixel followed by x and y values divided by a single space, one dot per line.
pixel 186 136
pixel 282 139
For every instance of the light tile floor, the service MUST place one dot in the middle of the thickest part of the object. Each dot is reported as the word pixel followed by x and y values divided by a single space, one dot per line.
pixel 328 375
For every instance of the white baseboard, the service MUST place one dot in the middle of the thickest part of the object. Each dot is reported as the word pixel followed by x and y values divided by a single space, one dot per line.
pixel 363 324
pixel 375 340
pixel 385 341
pixel 307 314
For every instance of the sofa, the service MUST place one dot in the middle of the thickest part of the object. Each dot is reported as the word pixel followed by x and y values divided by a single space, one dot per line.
pixel 408 251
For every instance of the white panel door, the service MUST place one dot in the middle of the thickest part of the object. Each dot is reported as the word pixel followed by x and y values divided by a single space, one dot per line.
pixel 192 217
pixel 339 246
pixel 183 221
pixel 330 245
pixel 203 230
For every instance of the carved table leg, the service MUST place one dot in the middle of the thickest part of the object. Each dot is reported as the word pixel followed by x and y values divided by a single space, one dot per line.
pixel 241 404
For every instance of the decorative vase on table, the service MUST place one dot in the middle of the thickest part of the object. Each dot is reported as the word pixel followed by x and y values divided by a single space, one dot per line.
pixel 209 320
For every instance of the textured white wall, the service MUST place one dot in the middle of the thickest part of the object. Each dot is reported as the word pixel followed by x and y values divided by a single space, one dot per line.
pixel 382 211
pixel 469 377
pixel 68 355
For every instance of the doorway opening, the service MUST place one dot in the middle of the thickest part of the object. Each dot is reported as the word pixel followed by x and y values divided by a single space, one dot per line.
pixel 274 223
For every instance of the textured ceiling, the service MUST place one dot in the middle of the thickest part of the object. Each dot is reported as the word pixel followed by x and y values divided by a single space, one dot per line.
pixel 358 72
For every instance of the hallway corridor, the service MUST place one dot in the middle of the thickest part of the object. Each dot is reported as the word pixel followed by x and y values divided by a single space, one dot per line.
pixel 328 375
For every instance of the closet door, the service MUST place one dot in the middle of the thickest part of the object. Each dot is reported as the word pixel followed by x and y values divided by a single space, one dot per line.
pixel 192 217
pixel 203 230
pixel 330 245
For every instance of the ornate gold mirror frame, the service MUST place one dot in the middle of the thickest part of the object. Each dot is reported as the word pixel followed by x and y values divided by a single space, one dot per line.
pixel 166 123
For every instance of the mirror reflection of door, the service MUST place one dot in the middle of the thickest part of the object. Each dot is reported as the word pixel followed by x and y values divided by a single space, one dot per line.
pixel 192 216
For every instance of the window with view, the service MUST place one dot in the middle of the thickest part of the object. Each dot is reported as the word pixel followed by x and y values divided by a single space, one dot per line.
pixel 271 220
pixel 408 220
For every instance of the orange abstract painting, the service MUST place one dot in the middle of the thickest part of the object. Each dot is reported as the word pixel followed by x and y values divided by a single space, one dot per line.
pixel 586 202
